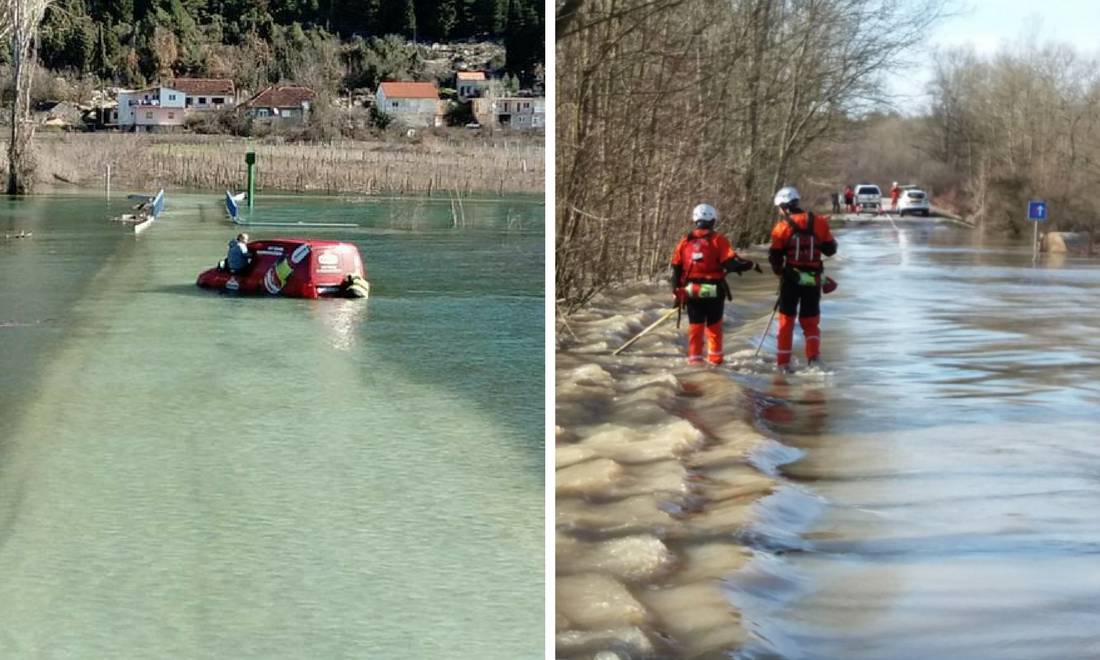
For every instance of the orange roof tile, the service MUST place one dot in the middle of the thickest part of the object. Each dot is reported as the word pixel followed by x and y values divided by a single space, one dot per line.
pixel 409 90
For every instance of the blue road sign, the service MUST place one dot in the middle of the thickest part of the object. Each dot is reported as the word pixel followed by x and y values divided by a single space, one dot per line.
pixel 1036 210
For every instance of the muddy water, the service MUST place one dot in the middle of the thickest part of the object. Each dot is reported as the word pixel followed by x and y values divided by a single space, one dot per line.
pixel 188 474
pixel 930 493
pixel 953 451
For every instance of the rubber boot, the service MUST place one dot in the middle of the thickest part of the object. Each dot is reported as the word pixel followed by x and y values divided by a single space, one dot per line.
pixel 695 343
pixel 813 336
pixel 714 343
pixel 785 341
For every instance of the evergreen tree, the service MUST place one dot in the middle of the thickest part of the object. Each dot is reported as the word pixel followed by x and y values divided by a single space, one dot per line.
pixel 523 39
pixel 446 15
pixel 490 16
pixel 398 17
pixel 264 39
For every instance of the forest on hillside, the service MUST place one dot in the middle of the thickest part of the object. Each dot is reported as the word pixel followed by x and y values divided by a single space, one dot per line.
pixel 330 44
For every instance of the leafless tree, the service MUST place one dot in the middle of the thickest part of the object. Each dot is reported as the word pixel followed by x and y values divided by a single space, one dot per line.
pixel 666 103
pixel 1018 124
pixel 19 21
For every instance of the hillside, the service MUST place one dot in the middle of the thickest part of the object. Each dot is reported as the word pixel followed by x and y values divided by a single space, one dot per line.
pixel 327 44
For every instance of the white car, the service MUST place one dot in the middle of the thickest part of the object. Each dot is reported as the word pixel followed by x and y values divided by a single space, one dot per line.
pixel 915 201
pixel 868 198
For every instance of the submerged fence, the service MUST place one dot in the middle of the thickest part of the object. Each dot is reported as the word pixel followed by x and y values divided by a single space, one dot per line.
pixel 337 167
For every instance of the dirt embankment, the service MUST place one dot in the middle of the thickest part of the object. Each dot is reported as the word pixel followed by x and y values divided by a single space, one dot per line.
pixel 427 165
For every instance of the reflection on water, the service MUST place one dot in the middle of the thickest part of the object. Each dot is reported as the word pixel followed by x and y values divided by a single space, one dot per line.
pixel 954 444
pixel 188 474
pixel 341 319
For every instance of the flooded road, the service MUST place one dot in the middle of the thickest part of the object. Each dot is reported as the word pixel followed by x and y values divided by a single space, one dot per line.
pixel 950 461
pixel 188 474
pixel 932 493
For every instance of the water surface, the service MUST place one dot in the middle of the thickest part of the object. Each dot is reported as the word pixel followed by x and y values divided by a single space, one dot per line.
pixel 950 457
pixel 184 473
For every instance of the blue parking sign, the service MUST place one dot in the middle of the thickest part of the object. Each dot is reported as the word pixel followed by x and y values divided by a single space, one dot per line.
pixel 1036 210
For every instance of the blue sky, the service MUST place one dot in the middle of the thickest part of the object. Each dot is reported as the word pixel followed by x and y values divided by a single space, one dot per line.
pixel 987 25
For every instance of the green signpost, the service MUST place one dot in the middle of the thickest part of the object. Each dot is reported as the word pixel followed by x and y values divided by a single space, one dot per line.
pixel 250 159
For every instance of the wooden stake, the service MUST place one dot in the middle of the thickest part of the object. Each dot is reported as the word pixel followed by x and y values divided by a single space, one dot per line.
pixel 645 332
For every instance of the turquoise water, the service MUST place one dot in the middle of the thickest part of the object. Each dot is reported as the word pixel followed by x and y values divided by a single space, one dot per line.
pixel 184 473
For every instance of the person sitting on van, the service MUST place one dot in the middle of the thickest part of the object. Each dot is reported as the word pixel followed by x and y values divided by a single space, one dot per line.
pixel 238 260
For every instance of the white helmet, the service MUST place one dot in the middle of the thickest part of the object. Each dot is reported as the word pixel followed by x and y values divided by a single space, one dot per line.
pixel 704 213
pixel 786 196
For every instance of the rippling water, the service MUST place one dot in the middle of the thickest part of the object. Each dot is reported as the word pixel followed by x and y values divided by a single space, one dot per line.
pixel 950 458
pixel 930 494
pixel 189 474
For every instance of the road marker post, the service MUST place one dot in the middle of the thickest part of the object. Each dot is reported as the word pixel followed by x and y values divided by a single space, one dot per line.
pixel 1036 213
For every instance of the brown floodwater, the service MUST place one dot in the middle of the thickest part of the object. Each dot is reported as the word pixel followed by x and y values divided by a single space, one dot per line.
pixel 930 493
pixel 951 451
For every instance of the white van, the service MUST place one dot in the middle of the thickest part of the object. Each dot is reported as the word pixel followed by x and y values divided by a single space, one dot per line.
pixel 868 198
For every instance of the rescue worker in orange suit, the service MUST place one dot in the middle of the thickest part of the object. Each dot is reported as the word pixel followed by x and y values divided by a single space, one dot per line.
pixel 895 192
pixel 798 241
pixel 699 266
pixel 850 199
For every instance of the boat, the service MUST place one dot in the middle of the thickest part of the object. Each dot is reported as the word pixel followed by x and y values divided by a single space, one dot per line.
pixel 148 210
pixel 294 268
pixel 233 205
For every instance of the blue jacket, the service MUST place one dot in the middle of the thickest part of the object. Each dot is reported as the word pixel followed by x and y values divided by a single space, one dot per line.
pixel 237 260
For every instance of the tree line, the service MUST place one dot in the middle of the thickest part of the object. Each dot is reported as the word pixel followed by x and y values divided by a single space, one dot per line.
pixel 1022 123
pixel 663 104
pixel 133 42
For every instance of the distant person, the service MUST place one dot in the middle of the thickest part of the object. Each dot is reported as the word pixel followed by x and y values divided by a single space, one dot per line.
pixel 699 266
pixel 895 192
pixel 850 199
pixel 835 196
pixel 238 259
pixel 799 239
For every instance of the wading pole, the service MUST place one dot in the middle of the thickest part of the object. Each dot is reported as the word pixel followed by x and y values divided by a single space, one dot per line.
pixel 768 329
pixel 645 332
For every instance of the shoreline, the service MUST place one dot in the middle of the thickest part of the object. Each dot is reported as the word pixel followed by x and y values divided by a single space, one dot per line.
pixel 663 478
pixel 432 165
pixel 61 189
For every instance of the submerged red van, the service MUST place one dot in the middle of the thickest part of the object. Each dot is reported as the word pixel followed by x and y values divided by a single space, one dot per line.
pixel 296 268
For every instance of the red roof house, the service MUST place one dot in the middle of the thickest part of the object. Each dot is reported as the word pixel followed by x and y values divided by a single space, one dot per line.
pixel 283 102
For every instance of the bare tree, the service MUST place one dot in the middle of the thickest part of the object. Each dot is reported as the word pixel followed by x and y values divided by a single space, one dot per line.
pixel 666 103
pixel 1017 124
pixel 19 21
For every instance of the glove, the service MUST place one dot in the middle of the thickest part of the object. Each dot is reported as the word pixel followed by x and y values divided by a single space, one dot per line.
pixel 680 296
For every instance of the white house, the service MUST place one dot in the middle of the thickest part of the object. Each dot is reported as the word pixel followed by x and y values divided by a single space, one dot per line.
pixel 207 93
pixel 146 108
pixel 470 84
pixel 518 112
pixel 411 103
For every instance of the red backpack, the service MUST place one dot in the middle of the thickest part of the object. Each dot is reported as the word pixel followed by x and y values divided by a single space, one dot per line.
pixel 802 246
pixel 701 258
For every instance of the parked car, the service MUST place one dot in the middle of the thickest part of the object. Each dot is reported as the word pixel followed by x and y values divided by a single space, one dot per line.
pixel 914 200
pixel 868 198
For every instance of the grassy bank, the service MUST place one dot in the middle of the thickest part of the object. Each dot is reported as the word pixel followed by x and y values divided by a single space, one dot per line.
pixel 427 165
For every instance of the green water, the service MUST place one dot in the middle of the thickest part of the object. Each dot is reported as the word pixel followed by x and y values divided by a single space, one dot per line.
pixel 184 473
